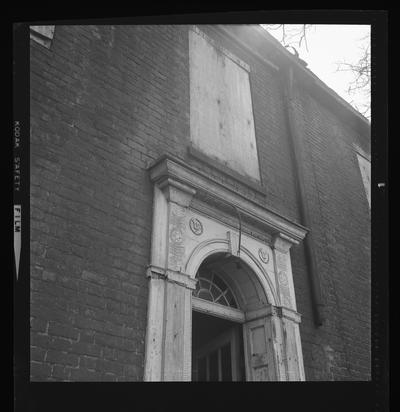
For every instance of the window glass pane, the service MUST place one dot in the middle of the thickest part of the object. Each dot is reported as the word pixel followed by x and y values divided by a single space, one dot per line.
pixel 205 294
pixel 205 274
pixel 220 283
pixel 222 300
pixel 226 363
pixel 230 299
pixel 214 289
pixel 205 283
pixel 201 284
pixel 215 292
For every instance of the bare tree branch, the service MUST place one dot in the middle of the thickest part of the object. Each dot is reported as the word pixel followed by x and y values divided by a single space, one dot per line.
pixel 292 35
pixel 361 69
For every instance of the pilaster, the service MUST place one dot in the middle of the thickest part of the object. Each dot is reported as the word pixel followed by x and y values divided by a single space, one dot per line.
pixel 168 338
pixel 283 270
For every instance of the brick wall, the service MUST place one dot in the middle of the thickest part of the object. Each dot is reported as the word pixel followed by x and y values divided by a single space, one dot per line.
pixel 106 101
pixel 341 227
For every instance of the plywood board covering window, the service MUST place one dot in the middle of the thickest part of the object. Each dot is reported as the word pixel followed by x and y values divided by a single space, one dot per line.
pixel 221 114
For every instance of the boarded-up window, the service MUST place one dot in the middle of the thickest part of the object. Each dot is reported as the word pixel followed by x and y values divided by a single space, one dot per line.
pixel 365 168
pixel 221 114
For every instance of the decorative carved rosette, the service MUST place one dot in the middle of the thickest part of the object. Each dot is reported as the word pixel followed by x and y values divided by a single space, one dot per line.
pixel 196 226
pixel 263 255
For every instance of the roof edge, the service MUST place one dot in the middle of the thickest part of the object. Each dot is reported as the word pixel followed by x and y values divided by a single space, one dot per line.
pixel 303 71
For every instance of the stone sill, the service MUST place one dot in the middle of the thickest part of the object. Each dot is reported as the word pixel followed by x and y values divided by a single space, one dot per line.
pixel 226 170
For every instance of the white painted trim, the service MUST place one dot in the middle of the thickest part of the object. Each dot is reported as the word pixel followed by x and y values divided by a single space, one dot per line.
pixel 160 229
pixel 170 167
pixel 210 308
pixel 231 223
pixel 290 314
pixel 169 328
pixel 209 247
pixel 181 279
pixel 154 332
pixel 300 353
pixel 268 310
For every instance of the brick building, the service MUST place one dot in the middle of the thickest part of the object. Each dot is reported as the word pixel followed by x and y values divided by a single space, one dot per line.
pixel 200 209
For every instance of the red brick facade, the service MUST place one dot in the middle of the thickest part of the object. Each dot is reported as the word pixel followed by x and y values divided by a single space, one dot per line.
pixel 106 101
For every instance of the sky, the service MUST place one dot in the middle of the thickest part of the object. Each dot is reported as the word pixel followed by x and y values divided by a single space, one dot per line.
pixel 329 45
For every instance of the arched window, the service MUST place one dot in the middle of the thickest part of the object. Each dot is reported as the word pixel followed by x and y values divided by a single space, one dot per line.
pixel 212 288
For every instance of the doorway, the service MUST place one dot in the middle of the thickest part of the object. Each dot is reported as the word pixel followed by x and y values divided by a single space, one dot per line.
pixel 217 349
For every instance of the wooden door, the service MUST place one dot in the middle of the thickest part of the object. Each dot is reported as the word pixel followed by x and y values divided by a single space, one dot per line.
pixel 259 353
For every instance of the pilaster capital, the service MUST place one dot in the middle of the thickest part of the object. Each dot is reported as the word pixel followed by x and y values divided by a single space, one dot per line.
pixel 283 243
pixel 274 311
pixel 289 314
pixel 176 192
pixel 180 278
pixel 264 312
pixel 155 272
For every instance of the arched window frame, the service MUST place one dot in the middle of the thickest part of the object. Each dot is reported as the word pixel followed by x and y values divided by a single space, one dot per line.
pixel 211 307
pixel 224 296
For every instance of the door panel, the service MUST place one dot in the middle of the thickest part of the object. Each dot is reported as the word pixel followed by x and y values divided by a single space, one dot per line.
pixel 260 364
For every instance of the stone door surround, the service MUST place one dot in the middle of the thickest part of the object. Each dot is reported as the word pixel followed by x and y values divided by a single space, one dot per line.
pixel 187 229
